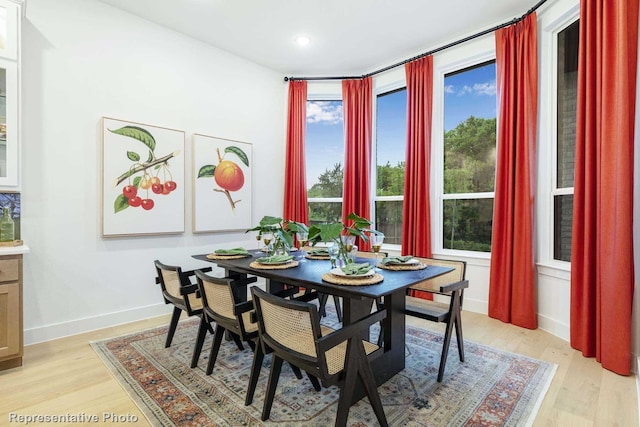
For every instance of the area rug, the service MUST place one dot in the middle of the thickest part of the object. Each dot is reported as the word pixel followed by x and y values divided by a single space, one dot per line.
pixel 491 388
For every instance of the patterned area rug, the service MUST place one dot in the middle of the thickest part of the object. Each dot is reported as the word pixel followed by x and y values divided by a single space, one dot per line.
pixel 491 388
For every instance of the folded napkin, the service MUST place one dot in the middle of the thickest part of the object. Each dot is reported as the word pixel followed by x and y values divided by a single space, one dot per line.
pixel 396 260
pixel 275 259
pixel 234 251
pixel 318 252
pixel 356 269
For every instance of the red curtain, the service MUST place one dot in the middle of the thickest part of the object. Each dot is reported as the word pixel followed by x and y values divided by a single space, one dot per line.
pixel 512 293
pixel 416 214
pixel 602 246
pixel 295 187
pixel 356 101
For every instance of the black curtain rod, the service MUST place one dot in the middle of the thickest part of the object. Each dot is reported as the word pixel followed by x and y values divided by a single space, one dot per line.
pixel 431 52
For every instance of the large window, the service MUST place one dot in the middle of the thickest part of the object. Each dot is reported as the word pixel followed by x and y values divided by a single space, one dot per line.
pixel 324 160
pixel 469 157
pixel 567 89
pixel 391 125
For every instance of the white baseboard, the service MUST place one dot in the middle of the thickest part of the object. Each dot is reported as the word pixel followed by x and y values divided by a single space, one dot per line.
pixel 554 327
pixel 78 326
pixel 475 306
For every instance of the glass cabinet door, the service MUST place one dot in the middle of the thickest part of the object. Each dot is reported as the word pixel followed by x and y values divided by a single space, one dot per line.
pixel 9 22
pixel 8 123
pixel 10 13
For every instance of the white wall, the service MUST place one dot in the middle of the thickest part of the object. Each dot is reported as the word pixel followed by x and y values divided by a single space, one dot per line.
pixel 83 60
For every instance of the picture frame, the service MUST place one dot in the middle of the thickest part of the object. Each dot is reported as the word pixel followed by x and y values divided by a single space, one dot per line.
pixel 222 177
pixel 147 162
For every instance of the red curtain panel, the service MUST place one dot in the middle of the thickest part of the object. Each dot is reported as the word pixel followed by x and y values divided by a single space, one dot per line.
pixel 295 186
pixel 416 214
pixel 512 286
pixel 602 246
pixel 356 100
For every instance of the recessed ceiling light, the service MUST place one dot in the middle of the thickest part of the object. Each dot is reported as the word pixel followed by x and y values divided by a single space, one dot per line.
pixel 302 40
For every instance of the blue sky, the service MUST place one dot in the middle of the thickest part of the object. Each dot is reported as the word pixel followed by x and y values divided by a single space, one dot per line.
pixel 467 93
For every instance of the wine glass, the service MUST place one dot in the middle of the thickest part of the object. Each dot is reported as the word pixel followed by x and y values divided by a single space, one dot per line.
pixel 258 238
pixel 267 237
pixel 303 238
pixel 348 242
pixel 376 244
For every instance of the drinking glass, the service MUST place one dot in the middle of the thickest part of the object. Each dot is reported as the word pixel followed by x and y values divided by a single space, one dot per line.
pixel 267 238
pixel 258 238
pixel 303 238
pixel 376 243
pixel 333 250
pixel 347 242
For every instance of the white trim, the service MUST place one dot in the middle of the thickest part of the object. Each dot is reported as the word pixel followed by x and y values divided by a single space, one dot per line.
pixel 78 326
pixel 455 59
pixel 547 135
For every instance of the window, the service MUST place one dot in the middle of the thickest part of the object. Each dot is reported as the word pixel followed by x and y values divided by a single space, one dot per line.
pixel 324 160
pixel 391 126
pixel 469 157
pixel 567 90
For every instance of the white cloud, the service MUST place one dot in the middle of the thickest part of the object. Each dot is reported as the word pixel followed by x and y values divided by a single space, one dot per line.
pixel 487 88
pixel 323 111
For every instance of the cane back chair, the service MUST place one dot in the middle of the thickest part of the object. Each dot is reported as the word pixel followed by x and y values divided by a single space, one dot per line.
pixel 291 329
pixel 178 290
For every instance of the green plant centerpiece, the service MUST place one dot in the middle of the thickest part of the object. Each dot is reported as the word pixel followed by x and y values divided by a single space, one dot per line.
pixel 342 235
pixel 282 235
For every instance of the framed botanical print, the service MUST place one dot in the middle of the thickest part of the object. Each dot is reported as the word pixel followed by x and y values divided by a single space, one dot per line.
pixel 143 179
pixel 222 184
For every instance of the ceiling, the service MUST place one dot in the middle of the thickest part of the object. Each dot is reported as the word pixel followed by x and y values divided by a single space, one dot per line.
pixel 348 37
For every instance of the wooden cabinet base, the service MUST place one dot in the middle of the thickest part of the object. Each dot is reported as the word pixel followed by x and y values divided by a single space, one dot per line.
pixel 11 363
pixel 11 344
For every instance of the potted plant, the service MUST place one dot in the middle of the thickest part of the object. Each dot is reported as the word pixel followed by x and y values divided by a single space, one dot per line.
pixel 341 235
pixel 282 235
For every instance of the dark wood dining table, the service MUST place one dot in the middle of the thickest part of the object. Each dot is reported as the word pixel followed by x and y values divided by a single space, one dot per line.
pixel 357 300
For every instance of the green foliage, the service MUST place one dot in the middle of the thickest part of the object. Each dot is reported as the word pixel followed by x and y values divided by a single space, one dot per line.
pixel 390 179
pixel 206 171
pixel 138 133
pixel 469 167
pixel 329 183
pixel 470 156
pixel 238 152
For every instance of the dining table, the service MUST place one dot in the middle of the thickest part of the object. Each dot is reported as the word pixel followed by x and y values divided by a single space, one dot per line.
pixel 357 300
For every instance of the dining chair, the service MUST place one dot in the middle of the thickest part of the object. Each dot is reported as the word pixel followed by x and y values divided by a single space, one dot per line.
pixel 224 302
pixel 291 330
pixel 452 285
pixel 177 289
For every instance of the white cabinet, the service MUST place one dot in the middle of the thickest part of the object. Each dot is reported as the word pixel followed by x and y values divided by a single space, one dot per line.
pixel 10 16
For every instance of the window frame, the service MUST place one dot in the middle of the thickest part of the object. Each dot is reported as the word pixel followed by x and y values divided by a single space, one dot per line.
pixel 328 96
pixel 437 162
pixel 548 179
pixel 373 197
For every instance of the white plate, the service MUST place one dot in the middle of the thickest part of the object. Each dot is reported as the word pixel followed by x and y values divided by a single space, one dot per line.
pixel 411 261
pixel 338 272
pixel 275 263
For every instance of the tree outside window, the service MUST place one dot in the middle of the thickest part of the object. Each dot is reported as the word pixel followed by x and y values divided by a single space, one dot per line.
pixel 469 158
pixel 324 160
pixel 391 131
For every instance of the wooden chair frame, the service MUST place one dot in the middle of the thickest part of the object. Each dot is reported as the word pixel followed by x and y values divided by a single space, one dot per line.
pixel 182 303
pixel 451 284
pixel 237 327
pixel 356 365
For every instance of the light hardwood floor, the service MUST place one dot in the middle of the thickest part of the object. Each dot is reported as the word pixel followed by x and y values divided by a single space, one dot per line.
pixel 66 376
